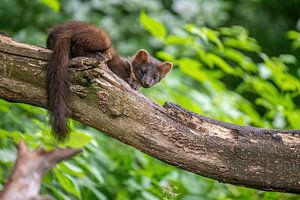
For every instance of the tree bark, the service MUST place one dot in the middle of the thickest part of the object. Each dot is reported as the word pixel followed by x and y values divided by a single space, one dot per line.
pixel 258 158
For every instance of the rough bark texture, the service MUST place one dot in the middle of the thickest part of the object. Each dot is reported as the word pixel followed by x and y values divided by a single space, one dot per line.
pixel 258 158
pixel 30 166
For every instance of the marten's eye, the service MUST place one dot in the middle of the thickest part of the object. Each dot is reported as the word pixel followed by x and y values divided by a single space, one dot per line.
pixel 155 76
pixel 141 71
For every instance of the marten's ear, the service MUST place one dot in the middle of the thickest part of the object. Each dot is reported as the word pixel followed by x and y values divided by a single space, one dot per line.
pixel 142 56
pixel 165 68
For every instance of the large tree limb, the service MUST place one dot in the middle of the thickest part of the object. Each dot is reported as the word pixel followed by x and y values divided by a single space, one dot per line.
pixel 259 158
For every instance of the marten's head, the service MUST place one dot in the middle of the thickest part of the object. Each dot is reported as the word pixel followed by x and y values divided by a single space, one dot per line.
pixel 148 70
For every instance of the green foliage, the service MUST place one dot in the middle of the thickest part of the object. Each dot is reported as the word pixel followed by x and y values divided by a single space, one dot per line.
pixel 78 140
pixel 219 61
pixel 153 26
pixel 53 4
pixel 220 72
pixel 295 36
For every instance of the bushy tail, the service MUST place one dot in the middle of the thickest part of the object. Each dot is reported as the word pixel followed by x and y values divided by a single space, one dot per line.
pixel 58 89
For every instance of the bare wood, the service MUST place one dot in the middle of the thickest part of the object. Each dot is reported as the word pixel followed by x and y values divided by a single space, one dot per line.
pixel 30 166
pixel 258 158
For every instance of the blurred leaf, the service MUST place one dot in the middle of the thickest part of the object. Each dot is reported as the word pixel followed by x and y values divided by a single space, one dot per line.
pixel 295 37
pixel 265 89
pixel 95 191
pixel 234 31
pixel 244 61
pixel 192 68
pixel 53 4
pixel 287 58
pixel 165 56
pixel 213 36
pixel 156 28
pixel 218 61
pixel 68 183
pixel 293 118
pixel 71 169
pixel 283 80
pixel 204 58
pixel 189 63
pixel 173 39
pixel 148 196
pixel 91 169
pixel 78 139
pixel 244 44
pixel 60 195
pixel 197 31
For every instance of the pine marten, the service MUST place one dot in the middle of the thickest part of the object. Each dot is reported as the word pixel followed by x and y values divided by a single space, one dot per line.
pixel 80 39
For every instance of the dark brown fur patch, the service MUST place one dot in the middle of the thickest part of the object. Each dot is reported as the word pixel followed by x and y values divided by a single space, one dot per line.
pixel 67 41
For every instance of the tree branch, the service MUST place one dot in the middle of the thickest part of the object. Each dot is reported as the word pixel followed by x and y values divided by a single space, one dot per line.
pixel 30 166
pixel 258 158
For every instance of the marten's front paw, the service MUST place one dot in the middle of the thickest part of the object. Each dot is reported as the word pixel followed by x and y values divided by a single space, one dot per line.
pixel 134 84
pixel 99 56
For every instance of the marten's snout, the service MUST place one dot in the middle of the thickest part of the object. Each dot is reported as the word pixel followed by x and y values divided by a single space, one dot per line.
pixel 147 83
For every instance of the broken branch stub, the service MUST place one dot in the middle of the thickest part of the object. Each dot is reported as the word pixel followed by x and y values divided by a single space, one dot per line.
pixel 30 166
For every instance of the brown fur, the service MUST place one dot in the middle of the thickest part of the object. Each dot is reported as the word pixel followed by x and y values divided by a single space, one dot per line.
pixel 76 39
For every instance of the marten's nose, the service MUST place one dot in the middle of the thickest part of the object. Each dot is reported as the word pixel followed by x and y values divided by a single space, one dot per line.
pixel 146 83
